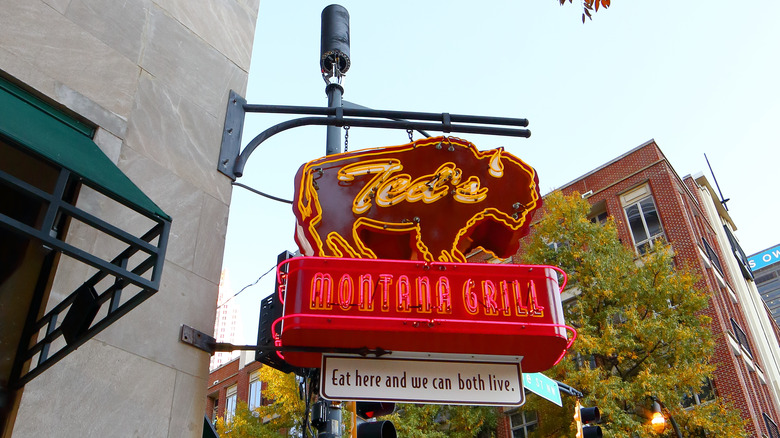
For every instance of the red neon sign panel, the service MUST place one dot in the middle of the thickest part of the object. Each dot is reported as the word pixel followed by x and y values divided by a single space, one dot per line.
pixel 436 307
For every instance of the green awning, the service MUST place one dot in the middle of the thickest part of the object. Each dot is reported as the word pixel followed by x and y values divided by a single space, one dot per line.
pixel 208 429
pixel 67 143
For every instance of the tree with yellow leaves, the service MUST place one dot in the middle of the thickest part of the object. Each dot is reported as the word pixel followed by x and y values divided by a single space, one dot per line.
pixel 641 331
pixel 444 421
pixel 285 413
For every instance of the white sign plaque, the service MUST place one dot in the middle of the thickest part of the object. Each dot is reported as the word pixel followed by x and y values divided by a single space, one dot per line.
pixel 422 381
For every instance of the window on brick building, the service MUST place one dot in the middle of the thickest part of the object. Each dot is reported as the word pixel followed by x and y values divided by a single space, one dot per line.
pixel 741 338
pixel 230 403
pixel 643 218
pixel 523 423
pixel 598 213
pixel 214 409
pixel 739 254
pixel 771 427
pixel 255 393
pixel 704 394
pixel 712 255
pixel 600 218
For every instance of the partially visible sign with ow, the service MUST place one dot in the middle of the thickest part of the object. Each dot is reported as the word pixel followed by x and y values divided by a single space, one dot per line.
pixel 422 381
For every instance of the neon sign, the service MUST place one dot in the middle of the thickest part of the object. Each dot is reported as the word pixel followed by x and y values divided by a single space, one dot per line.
pixel 436 199
pixel 420 295
pixel 437 307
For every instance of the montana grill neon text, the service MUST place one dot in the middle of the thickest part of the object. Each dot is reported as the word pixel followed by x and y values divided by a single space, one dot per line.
pixel 434 307
pixel 424 295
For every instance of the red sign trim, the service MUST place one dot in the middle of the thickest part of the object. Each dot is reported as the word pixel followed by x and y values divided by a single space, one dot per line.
pixel 430 322
pixel 431 307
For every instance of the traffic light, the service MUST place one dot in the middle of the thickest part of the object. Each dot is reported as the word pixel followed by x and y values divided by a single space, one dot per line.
pixel 374 429
pixel 369 410
pixel 586 416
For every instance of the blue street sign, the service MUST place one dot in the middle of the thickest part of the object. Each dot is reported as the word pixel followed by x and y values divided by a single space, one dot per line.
pixel 765 258
pixel 542 386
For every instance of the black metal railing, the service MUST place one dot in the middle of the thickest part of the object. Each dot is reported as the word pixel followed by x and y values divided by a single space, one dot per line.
pixel 97 302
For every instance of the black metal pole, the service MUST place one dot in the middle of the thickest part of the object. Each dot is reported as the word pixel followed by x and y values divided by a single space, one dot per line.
pixel 332 427
pixel 674 425
pixel 334 62
pixel 333 139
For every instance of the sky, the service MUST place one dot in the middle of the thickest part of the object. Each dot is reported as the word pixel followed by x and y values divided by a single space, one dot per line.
pixel 697 77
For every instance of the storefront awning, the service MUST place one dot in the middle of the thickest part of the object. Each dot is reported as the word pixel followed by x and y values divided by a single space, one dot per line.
pixel 46 157
pixel 45 134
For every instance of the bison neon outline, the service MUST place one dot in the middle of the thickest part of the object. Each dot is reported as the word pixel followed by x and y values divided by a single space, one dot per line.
pixel 436 199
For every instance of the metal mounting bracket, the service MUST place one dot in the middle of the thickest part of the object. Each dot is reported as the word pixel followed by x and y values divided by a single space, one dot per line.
pixel 232 159
pixel 202 341
pixel 231 135
pixel 197 339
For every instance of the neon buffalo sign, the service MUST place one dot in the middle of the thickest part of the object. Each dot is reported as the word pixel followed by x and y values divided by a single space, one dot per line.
pixel 435 199
pixel 497 309
pixel 385 233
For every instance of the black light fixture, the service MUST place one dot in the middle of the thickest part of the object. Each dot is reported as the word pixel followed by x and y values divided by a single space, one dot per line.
pixel 334 43
pixel 81 313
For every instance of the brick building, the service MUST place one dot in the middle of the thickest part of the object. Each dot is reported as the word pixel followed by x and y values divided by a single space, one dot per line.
pixel 237 380
pixel 650 202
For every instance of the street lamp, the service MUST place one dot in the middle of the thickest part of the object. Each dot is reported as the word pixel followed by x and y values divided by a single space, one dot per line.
pixel 658 420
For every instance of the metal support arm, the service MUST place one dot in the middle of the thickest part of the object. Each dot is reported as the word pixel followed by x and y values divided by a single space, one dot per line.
pixel 209 344
pixel 569 390
pixel 232 160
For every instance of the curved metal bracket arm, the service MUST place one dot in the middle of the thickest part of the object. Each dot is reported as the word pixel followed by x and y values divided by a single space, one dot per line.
pixel 232 160
pixel 569 390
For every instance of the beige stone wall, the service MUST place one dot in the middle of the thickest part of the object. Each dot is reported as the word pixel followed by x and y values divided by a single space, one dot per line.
pixel 154 76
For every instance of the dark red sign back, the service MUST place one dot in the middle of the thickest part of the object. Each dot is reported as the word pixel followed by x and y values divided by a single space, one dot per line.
pixel 435 199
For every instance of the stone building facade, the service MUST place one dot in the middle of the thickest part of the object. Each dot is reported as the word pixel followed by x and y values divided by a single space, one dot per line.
pixel 651 203
pixel 149 79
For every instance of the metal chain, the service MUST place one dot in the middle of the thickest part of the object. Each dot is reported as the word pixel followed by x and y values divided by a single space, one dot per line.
pixel 346 138
pixel 411 137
